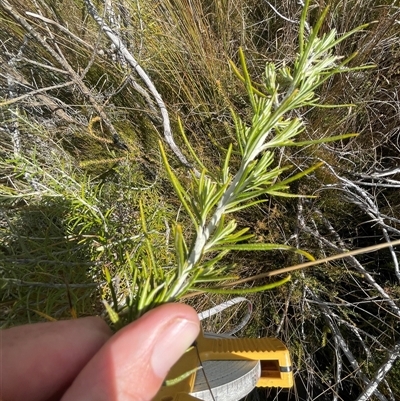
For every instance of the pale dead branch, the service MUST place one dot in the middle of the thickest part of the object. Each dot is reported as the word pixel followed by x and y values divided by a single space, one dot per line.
pixel 146 79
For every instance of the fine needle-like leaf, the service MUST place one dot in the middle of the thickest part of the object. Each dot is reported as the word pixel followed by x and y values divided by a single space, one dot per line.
pixel 178 188
pixel 243 291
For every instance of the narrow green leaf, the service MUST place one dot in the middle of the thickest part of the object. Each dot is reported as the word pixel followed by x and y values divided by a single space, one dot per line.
pixel 180 249
pixel 264 247
pixel 246 205
pixel 152 295
pixel 171 382
pixel 289 195
pixel 114 317
pixel 205 279
pixel 350 33
pixel 302 174
pixel 323 140
pixel 320 21
pixel 303 19
pixel 177 186
pixel 143 297
pixel 151 262
pixel 246 75
pixel 111 286
pixel 216 197
pixel 330 106
pixel 142 218
pixel 190 148
pixel 243 291
pixel 241 78
pixel 209 264
pixel 225 167
pixel 107 274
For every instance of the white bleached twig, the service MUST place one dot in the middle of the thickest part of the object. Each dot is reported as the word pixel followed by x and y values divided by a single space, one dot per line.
pixel 144 76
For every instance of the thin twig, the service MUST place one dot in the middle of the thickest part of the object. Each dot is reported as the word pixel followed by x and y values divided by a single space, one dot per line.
pixel 61 28
pixel 35 92
pixel 391 358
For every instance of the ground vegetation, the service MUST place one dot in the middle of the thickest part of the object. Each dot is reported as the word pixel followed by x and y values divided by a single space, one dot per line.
pixel 87 92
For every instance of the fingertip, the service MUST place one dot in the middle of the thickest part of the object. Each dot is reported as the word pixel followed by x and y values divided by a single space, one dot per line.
pixel 174 340
pixel 134 362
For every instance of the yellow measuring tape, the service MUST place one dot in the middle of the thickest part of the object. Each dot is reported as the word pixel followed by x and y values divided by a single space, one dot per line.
pixel 269 359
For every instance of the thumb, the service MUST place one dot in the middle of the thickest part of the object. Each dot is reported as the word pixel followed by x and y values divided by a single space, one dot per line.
pixel 134 362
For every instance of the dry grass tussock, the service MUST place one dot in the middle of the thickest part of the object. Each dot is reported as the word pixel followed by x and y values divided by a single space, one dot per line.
pixel 78 155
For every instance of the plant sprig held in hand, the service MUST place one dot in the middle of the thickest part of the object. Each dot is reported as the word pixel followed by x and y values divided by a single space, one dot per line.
pixel 211 198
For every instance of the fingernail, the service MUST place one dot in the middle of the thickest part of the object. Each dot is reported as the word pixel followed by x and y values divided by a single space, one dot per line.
pixel 173 341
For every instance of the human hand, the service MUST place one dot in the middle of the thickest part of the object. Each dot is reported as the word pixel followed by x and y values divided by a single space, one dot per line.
pixel 79 359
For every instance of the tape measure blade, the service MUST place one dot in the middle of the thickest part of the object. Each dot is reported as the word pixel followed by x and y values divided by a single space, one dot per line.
pixel 228 380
